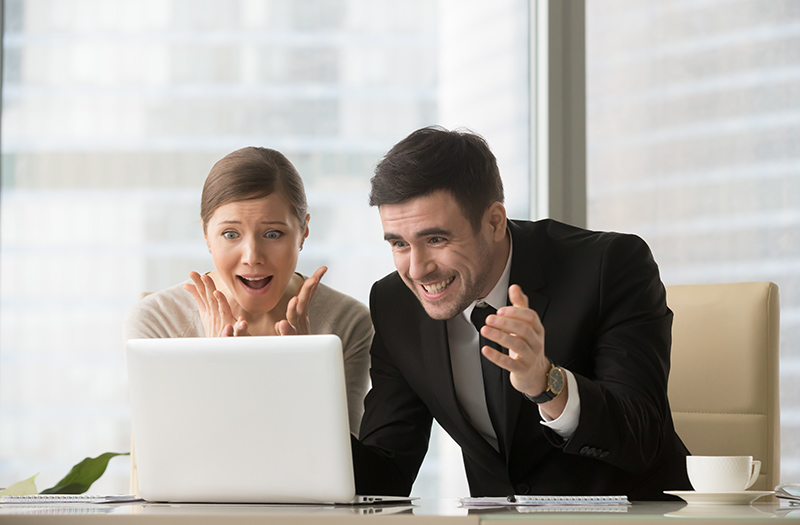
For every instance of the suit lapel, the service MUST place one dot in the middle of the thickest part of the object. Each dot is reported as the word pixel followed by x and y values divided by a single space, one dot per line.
pixel 436 356
pixel 527 272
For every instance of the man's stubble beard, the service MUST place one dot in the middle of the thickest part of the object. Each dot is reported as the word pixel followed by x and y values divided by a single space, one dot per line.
pixel 470 290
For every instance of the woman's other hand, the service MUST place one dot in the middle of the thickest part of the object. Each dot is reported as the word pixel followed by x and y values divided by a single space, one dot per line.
pixel 297 322
pixel 215 311
pixel 239 328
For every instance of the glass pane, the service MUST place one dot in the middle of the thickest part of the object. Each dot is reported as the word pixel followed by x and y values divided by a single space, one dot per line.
pixel 115 110
pixel 693 110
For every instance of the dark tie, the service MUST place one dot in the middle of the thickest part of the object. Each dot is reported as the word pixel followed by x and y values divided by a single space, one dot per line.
pixel 492 374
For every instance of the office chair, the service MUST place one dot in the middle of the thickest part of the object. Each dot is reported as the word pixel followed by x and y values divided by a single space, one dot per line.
pixel 723 384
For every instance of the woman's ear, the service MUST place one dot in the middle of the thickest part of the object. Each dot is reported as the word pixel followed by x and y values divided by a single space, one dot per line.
pixel 205 238
pixel 305 233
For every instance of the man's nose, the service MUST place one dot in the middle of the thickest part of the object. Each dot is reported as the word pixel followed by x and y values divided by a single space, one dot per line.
pixel 420 264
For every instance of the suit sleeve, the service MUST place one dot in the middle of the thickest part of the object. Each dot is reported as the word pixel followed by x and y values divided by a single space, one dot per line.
pixel 356 343
pixel 395 429
pixel 624 408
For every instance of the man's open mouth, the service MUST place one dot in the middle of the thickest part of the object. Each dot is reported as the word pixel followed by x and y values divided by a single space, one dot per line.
pixel 438 287
pixel 256 283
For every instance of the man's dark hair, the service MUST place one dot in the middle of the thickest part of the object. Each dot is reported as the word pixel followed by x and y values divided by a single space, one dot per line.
pixel 434 158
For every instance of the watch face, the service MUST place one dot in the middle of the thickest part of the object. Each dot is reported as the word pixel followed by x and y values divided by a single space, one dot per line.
pixel 556 381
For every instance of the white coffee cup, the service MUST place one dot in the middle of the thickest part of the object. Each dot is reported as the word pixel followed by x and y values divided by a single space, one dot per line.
pixel 722 473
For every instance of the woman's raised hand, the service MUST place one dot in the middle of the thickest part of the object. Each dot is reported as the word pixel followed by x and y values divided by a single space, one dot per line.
pixel 297 322
pixel 215 311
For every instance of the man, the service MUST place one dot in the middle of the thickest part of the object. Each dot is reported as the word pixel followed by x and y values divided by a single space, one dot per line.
pixel 574 398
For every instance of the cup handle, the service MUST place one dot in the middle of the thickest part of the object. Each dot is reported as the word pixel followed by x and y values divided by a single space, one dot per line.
pixel 756 467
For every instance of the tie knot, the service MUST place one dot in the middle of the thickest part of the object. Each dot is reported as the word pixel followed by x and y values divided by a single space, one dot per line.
pixel 480 313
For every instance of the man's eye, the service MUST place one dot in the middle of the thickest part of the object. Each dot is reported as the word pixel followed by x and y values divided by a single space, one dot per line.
pixel 230 235
pixel 398 244
pixel 274 234
pixel 436 240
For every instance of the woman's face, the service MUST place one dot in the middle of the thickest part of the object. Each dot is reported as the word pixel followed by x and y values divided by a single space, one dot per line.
pixel 254 245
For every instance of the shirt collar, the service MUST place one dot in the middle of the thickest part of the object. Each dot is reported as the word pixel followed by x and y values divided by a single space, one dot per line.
pixel 498 297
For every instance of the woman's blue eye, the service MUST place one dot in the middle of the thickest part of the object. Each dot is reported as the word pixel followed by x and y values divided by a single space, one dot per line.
pixel 230 235
pixel 273 234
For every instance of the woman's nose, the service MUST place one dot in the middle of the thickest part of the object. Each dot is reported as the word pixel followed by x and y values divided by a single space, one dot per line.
pixel 253 254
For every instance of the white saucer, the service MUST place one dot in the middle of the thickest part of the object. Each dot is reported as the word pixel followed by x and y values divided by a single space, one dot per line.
pixel 724 512
pixel 719 498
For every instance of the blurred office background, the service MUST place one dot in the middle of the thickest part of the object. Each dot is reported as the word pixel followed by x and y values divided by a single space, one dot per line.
pixel 113 112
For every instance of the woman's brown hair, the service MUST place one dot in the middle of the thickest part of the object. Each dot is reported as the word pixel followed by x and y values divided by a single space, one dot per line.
pixel 253 173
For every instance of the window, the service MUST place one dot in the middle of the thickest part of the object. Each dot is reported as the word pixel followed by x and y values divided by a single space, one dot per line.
pixel 692 114
pixel 115 110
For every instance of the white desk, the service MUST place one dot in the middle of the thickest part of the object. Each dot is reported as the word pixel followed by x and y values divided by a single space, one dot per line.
pixel 434 512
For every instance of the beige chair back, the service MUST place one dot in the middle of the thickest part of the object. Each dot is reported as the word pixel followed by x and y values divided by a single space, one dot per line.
pixel 723 385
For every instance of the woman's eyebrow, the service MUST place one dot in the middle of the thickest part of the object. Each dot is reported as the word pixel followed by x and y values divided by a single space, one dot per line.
pixel 233 221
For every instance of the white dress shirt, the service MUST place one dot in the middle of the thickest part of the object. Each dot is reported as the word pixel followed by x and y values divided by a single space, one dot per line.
pixel 465 358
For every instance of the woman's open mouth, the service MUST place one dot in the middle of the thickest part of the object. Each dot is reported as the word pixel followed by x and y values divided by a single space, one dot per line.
pixel 255 283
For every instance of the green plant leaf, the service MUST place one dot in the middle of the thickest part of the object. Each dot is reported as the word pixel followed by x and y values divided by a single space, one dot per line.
pixel 80 478
pixel 21 488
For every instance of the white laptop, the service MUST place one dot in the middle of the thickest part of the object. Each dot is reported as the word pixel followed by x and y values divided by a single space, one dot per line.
pixel 242 419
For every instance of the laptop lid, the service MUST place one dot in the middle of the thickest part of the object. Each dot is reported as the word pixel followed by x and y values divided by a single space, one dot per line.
pixel 240 419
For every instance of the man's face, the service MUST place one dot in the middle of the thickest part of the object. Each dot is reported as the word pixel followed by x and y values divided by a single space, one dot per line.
pixel 438 254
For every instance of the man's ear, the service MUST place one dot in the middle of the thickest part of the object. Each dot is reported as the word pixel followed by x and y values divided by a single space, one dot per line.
pixel 497 220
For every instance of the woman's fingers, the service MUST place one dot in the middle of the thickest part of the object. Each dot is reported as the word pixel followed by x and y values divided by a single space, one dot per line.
pixel 215 309
pixel 307 289
pixel 223 307
pixel 284 328
pixel 197 289
pixel 292 311
pixel 209 288
pixel 240 328
pixel 297 309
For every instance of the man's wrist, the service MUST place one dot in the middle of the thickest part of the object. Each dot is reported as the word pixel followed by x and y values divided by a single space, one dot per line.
pixel 554 385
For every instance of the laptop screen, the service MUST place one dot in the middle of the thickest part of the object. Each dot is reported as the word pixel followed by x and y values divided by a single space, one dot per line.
pixel 240 419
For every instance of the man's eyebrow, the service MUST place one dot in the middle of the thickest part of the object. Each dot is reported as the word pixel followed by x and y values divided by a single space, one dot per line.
pixel 432 231
pixel 420 234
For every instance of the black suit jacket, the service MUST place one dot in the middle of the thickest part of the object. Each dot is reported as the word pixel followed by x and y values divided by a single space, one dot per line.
pixel 603 307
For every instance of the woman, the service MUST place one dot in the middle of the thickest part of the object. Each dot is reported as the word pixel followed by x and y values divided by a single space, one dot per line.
pixel 255 221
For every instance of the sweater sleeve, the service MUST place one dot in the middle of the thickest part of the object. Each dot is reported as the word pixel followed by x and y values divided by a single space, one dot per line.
pixel 168 313
pixel 333 312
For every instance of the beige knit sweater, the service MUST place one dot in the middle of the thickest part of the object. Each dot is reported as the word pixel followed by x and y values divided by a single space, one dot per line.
pixel 173 313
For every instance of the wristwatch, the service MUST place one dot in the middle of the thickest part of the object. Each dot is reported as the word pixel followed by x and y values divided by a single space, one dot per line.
pixel 555 384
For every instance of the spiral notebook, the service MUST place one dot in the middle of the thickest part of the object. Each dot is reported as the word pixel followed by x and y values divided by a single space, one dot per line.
pixel 548 501
pixel 35 499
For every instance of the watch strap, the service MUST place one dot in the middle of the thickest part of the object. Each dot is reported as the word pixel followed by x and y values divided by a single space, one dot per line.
pixel 548 394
